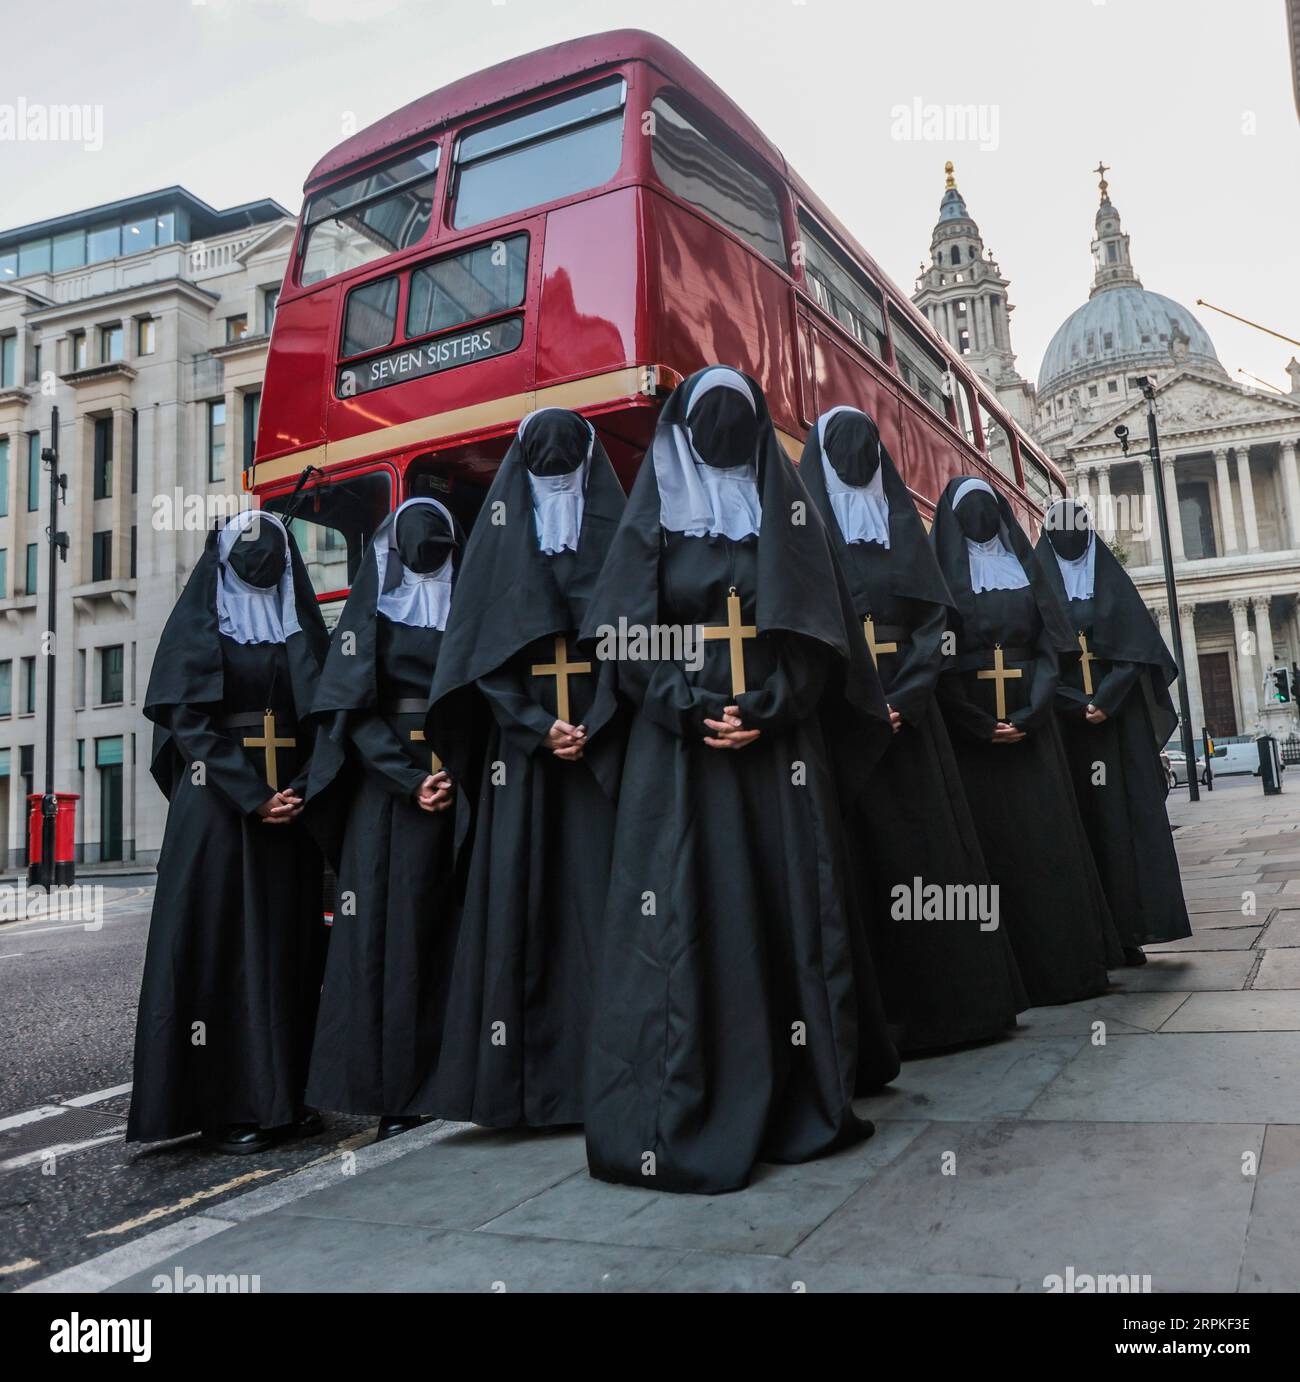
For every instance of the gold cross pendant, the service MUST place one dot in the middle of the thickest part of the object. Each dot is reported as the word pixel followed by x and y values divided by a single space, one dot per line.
pixel 268 743
pixel 435 763
pixel 869 628
pixel 1086 659
pixel 735 633
pixel 1000 675
pixel 561 669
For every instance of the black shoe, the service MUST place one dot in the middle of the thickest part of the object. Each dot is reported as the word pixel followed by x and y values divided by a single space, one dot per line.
pixel 238 1139
pixel 1133 956
pixel 307 1124
pixel 393 1125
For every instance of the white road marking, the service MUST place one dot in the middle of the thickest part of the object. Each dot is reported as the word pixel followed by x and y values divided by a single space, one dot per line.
pixel 13 955
pixel 98 1097
pixel 16 1163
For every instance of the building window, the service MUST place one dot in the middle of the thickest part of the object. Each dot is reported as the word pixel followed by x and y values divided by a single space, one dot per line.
pixel 146 336
pixel 27 767
pixel 4 573
pixel 8 361
pixel 78 357
pixel 103 478
pixel 112 663
pixel 134 545
pixel 69 250
pixel 1092 391
pixel 963 341
pixel 29 686
pixel 216 446
pixel 103 242
pixel 110 343
pixel 6 688
pixel 29 573
pixel 270 301
pixel 4 476
pixel 101 556
pixel 1112 386
pixel 135 450
pixel 33 471
pixel 108 763
pixel 252 411
pixel 1197 523
pixel 236 328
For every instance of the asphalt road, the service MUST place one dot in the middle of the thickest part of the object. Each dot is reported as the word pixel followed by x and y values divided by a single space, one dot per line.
pixel 67 1016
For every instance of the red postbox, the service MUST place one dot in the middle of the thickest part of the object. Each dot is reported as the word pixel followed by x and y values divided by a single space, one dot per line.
pixel 65 823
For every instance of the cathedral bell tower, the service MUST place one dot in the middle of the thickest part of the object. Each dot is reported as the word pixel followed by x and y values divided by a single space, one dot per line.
pixel 964 295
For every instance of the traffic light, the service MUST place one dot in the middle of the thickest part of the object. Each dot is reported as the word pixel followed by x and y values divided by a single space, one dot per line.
pixel 1279 686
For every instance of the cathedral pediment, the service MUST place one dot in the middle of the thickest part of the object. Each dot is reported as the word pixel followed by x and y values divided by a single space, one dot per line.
pixel 1191 402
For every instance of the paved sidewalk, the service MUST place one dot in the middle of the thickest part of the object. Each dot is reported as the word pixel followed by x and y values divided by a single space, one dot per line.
pixel 1154 1131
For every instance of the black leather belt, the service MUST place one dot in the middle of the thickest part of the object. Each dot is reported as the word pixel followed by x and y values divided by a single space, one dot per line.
pixel 256 719
pixel 984 658
pixel 412 705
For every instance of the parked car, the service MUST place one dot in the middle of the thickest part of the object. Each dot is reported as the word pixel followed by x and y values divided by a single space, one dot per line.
pixel 1175 761
pixel 1234 760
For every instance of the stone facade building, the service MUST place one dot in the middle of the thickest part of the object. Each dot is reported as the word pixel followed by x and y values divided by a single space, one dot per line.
pixel 146 323
pixel 1228 454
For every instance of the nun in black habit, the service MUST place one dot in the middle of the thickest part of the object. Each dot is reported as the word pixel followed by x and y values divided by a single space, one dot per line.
pixel 998 699
pixel 1115 714
pixel 236 941
pixel 735 1011
pixel 944 977
pixel 515 1038
pixel 381 1009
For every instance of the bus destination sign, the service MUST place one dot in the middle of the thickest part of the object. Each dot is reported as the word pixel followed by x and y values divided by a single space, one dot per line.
pixel 431 357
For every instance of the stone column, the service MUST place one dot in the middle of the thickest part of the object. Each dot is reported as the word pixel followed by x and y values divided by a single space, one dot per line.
pixel 1171 508
pixel 1227 517
pixel 1263 634
pixel 1290 489
pixel 1104 517
pixel 1247 498
pixel 1150 514
pixel 1246 679
pixel 1083 487
pixel 1187 624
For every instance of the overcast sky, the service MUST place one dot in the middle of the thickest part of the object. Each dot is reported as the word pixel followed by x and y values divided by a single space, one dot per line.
pixel 1189 101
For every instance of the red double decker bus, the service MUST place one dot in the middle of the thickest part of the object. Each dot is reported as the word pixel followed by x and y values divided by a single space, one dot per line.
pixel 583 227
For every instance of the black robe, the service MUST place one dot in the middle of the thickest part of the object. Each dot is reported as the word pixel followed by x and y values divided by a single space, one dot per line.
pixel 515 1039
pixel 1115 765
pixel 944 980
pixel 1050 896
pixel 735 1012
pixel 236 937
pixel 384 997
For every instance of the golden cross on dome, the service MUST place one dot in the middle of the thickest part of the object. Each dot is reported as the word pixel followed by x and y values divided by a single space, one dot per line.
pixel 1101 170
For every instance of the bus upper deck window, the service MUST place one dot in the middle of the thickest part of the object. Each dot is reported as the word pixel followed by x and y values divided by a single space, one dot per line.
pixel 367 217
pixel 921 371
pixel 997 446
pixel 699 171
pixel 548 151
pixel 840 289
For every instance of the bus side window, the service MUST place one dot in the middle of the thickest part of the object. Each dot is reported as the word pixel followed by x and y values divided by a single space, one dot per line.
pixel 1037 485
pixel 539 155
pixel 371 318
pixel 961 405
pixel 921 370
pixel 838 288
pixel 997 445
pixel 696 169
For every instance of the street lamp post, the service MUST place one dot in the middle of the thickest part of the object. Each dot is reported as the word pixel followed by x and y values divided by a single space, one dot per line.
pixel 58 550
pixel 1171 586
